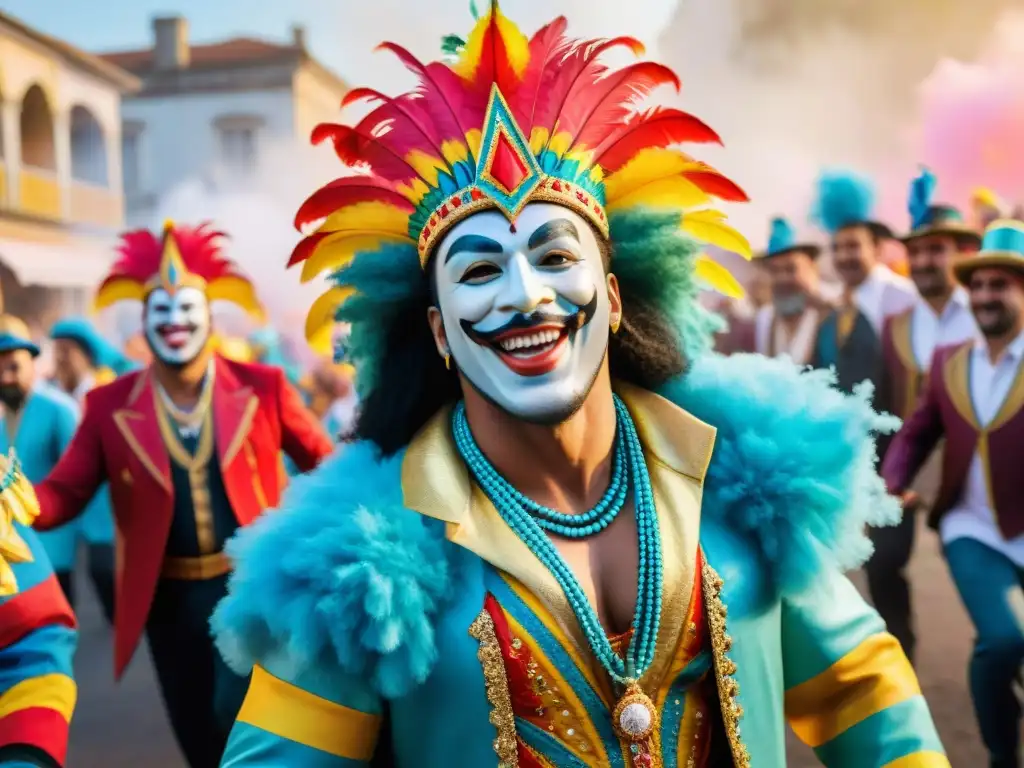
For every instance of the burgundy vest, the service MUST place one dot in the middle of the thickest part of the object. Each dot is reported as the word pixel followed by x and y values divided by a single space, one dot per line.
pixel 903 375
pixel 998 444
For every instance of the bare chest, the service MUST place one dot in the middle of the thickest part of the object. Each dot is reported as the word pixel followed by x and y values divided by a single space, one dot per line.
pixel 606 566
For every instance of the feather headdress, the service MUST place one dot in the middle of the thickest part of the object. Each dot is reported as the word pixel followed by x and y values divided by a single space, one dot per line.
pixel 509 121
pixel 929 218
pixel 181 257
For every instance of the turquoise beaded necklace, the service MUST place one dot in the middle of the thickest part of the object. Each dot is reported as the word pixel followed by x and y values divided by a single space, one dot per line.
pixel 530 520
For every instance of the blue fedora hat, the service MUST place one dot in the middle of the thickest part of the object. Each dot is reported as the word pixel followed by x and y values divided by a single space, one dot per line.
pixel 783 240
pixel 1002 246
pixel 14 334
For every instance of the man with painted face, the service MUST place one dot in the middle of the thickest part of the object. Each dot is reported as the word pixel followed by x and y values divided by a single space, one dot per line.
pixel 191 449
pixel 938 240
pixel 789 325
pixel 527 556
pixel 974 398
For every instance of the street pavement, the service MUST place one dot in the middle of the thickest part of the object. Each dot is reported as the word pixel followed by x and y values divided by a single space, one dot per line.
pixel 124 726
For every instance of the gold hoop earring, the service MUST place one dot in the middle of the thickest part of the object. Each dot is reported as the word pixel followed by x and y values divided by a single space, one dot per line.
pixel 616 321
pixel 447 361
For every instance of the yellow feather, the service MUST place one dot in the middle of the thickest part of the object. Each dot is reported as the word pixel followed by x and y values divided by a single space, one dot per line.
pixel 648 165
pixel 560 142
pixel 368 217
pixel 321 318
pixel 718 277
pixel 585 157
pixel 515 42
pixel 670 192
pixel 335 252
pixel 538 139
pixel 597 174
pixel 473 139
pixel 239 292
pixel 517 46
pixel 455 151
pixel 709 227
pixel 414 192
pixel 426 166
pixel 116 291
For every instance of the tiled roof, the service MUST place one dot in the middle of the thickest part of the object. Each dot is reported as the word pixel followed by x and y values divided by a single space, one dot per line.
pixel 239 50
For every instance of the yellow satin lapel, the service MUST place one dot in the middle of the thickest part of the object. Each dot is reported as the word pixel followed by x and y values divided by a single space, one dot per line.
pixel 1012 404
pixel 436 483
pixel 901 341
pixel 956 375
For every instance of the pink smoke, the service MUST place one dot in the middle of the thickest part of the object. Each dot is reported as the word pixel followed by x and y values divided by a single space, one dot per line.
pixel 972 128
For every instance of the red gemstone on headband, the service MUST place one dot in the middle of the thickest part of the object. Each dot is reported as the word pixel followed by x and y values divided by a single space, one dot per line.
pixel 507 168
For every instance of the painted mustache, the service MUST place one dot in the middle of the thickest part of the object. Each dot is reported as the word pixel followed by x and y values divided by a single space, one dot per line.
pixel 525 322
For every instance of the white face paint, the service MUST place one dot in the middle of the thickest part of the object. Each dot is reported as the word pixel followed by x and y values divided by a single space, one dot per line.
pixel 177 326
pixel 526 313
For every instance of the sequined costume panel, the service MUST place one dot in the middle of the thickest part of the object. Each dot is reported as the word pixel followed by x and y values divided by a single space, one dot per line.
pixel 552 708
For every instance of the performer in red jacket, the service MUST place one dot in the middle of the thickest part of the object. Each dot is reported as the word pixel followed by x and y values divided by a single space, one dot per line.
pixel 191 448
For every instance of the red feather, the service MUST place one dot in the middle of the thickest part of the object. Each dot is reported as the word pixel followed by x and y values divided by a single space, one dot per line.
pixel 608 102
pixel 443 94
pixel 141 251
pixel 580 58
pixel 494 67
pixel 347 191
pixel 305 248
pixel 658 127
pixel 549 44
pixel 411 126
pixel 354 146
pixel 716 185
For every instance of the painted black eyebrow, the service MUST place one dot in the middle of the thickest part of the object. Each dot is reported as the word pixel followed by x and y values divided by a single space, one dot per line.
pixel 552 230
pixel 473 244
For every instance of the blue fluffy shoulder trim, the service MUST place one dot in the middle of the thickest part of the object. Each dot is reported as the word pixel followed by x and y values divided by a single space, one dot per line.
pixel 793 469
pixel 343 574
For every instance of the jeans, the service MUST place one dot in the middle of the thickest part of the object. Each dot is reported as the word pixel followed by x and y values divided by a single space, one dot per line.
pixel 990 587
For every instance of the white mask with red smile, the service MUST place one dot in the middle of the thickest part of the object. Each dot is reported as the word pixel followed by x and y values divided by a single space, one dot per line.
pixel 525 309
pixel 177 324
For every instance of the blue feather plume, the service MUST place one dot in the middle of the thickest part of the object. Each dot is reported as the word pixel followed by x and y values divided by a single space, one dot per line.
pixel 843 198
pixel 922 189
pixel 782 236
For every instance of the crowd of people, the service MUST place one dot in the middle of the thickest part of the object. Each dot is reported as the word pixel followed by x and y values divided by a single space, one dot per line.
pixel 531 518
pixel 942 344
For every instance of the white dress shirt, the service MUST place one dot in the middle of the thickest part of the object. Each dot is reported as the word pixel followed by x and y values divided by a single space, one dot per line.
pixel 972 517
pixel 884 293
pixel 770 336
pixel 929 330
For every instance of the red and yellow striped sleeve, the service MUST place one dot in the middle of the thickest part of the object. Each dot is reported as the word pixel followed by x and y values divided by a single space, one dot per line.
pixel 37 644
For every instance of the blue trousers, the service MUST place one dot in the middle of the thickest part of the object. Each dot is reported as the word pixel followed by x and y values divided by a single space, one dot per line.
pixel 992 589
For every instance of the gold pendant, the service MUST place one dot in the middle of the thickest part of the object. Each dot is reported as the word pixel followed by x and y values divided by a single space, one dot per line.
pixel 635 718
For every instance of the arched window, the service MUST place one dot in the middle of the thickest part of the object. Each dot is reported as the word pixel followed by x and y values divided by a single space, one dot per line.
pixel 37 140
pixel 88 148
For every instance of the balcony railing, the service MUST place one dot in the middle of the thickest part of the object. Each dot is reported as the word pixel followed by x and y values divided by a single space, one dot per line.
pixel 39 193
pixel 91 204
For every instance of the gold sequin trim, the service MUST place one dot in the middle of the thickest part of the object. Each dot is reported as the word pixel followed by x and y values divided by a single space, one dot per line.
pixel 725 668
pixel 496 683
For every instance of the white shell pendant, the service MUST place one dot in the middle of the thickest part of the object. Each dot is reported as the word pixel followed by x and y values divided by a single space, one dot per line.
pixel 635 717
